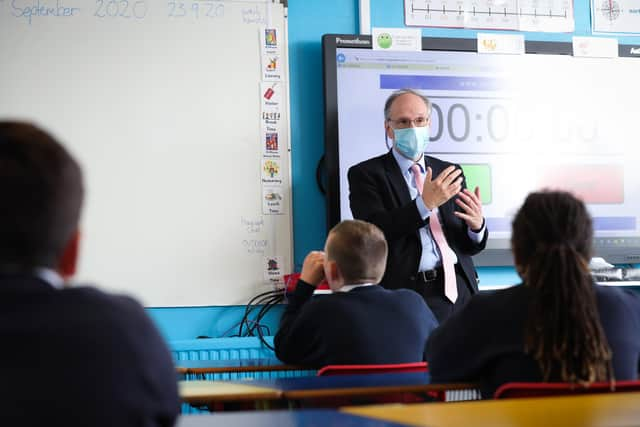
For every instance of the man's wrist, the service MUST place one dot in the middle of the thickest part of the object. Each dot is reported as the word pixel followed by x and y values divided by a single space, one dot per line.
pixel 479 229
pixel 428 205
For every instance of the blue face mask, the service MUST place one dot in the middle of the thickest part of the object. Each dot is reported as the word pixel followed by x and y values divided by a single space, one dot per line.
pixel 411 142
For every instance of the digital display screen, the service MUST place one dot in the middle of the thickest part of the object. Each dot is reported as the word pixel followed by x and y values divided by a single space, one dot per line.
pixel 514 123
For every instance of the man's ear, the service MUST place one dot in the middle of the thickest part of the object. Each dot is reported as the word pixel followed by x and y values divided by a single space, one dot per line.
pixel 69 259
pixel 388 129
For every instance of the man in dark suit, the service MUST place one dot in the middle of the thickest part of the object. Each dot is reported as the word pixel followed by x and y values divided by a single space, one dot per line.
pixel 360 322
pixel 432 222
pixel 73 356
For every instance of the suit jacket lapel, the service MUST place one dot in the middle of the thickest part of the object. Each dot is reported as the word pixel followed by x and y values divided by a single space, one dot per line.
pixel 396 180
pixel 436 166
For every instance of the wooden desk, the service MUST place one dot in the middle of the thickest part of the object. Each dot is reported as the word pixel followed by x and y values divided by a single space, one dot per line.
pixel 304 388
pixel 206 392
pixel 232 365
pixel 354 385
pixel 299 418
pixel 589 410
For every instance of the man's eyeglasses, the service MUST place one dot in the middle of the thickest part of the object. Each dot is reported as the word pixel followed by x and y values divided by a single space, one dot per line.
pixel 405 123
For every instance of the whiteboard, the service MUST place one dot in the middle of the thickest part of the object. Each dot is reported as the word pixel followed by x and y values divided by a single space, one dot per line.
pixel 162 104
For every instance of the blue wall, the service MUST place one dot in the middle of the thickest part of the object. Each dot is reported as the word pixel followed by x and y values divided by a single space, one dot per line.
pixel 185 323
pixel 308 21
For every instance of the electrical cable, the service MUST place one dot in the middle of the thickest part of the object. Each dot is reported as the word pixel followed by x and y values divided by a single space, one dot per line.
pixel 262 313
pixel 267 303
pixel 249 308
pixel 264 341
pixel 275 299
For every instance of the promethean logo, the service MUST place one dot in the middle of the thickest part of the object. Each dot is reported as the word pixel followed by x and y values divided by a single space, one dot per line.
pixel 352 41
pixel 634 51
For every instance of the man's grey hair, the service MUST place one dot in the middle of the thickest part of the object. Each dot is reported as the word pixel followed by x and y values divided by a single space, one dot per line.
pixel 400 92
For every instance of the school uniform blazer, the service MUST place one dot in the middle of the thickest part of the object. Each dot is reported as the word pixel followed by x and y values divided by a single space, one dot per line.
pixel 484 341
pixel 378 194
pixel 367 325
pixel 80 357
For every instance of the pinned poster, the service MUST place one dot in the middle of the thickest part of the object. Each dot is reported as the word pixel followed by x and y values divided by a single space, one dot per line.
pixel 271 95
pixel 271 142
pixel 615 16
pixel 396 39
pixel 271 118
pixel 519 15
pixel 271 105
pixel 273 270
pixel 271 54
pixel 595 47
pixel 273 202
pixel 271 172
pixel 501 43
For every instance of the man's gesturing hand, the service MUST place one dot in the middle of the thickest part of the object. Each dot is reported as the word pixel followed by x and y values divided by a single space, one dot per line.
pixel 445 186
pixel 472 207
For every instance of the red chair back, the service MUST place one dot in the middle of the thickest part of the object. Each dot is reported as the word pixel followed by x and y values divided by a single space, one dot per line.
pixel 372 369
pixel 380 369
pixel 510 390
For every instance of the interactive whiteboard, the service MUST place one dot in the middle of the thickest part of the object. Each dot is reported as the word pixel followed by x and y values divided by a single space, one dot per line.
pixel 515 124
pixel 165 106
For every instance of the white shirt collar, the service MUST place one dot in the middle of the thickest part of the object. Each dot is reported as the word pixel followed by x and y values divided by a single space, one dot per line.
pixel 404 163
pixel 347 288
pixel 50 276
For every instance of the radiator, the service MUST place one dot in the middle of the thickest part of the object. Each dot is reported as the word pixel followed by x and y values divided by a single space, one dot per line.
pixel 228 349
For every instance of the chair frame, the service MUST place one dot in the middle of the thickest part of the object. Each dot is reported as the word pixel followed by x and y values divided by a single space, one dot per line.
pixel 373 369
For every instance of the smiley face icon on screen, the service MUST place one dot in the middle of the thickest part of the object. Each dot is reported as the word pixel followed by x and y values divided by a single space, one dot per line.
pixel 385 40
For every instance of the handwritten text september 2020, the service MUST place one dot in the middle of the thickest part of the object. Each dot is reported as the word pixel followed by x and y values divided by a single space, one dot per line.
pixel 30 9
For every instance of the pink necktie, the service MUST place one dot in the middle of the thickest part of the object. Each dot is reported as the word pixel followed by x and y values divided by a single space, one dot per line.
pixel 450 286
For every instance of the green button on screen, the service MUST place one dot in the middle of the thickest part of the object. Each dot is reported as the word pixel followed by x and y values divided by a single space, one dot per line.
pixel 479 175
